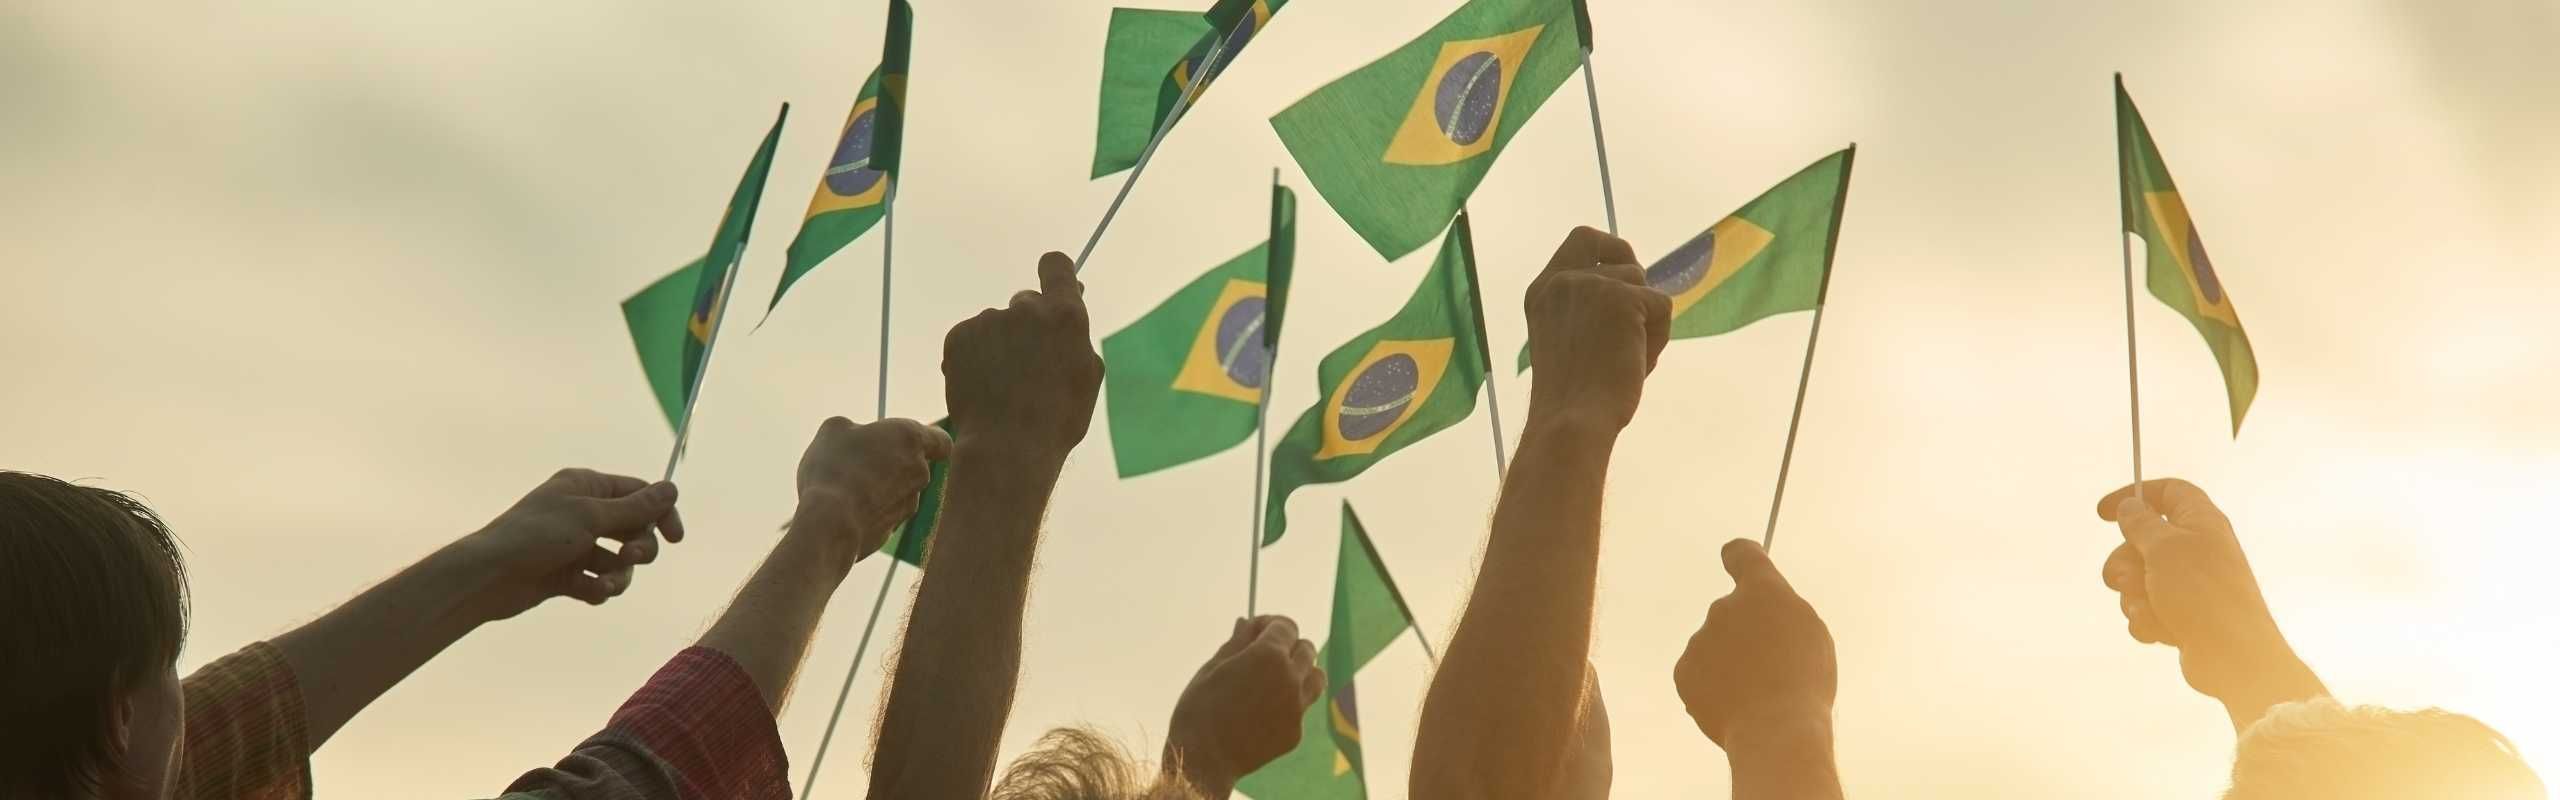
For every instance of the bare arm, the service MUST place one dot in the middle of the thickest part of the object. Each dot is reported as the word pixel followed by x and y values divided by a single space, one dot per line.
pixel 1501 713
pixel 543 547
pixel 1759 678
pixel 1021 384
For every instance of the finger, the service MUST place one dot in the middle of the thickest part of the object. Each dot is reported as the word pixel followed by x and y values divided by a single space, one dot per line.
pixel 641 549
pixel 1278 634
pixel 1587 246
pixel 2139 622
pixel 1237 638
pixel 1657 326
pixel 1302 657
pixel 2142 527
pixel 1628 274
pixel 672 525
pixel 594 589
pixel 1310 687
pixel 1750 566
pixel 599 560
pixel 2123 570
pixel 1058 278
pixel 2156 490
pixel 1024 298
pixel 632 511
pixel 2186 505
pixel 932 442
pixel 589 483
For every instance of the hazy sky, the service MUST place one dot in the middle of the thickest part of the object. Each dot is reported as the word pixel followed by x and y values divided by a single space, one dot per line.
pixel 332 284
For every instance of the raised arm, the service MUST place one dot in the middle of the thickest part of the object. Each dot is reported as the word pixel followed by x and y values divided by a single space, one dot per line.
pixel 1502 711
pixel 1021 383
pixel 703 726
pixel 1759 678
pixel 546 546
pixel 2184 582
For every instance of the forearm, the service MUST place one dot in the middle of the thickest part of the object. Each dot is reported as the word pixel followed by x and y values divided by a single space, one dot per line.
pixel 2276 677
pixel 952 688
pixel 767 627
pixel 350 656
pixel 1784 760
pixel 1500 712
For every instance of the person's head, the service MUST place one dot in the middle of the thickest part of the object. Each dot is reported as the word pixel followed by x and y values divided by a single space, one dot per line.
pixel 95 596
pixel 1079 764
pixel 2322 749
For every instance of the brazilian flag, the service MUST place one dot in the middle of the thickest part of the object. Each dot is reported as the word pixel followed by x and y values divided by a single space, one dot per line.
pixel 913 541
pixel 1368 615
pixel 1398 145
pixel 854 193
pixel 673 320
pixel 1150 58
pixel 1185 381
pixel 1768 258
pixel 2180 274
pixel 1404 380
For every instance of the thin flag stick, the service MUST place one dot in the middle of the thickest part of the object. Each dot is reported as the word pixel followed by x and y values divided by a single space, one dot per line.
pixel 2132 364
pixel 684 425
pixel 1388 576
pixel 1608 195
pixel 1261 428
pixel 1465 231
pixel 1769 535
pixel 1813 338
pixel 888 238
pixel 1182 103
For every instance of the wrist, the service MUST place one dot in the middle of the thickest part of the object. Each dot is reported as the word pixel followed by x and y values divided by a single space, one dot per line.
pixel 1194 765
pixel 996 447
pixel 817 540
pixel 472 572
pixel 1775 732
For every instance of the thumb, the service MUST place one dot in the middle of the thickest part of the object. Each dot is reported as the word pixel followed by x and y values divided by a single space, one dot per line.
pixel 2142 527
pixel 632 511
pixel 1749 565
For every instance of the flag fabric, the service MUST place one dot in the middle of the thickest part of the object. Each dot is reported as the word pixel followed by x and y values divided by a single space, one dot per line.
pixel 1397 145
pixel 853 193
pixel 1368 615
pixel 1151 57
pixel 1765 259
pixel 913 541
pixel 672 321
pixel 1411 377
pixel 2177 269
pixel 1185 381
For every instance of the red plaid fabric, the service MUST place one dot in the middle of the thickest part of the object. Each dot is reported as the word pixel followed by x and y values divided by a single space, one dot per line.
pixel 698 730
pixel 245 736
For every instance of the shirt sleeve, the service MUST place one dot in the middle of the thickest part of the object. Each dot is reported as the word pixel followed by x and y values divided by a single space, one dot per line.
pixel 698 730
pixel 244 736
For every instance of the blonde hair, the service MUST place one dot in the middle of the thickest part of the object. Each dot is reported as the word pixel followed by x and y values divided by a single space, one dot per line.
pixel 2322 749
pixel 1079 764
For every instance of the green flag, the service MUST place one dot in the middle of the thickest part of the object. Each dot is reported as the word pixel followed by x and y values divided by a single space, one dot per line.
pixel 1401 381
pixel 854 193
pixel 913 541
pixel 1151 57
pixel 2179 273
pixel 1766 259
pixel 1185 381
pixel 1398 145
pixel 1368 614
pixel 672 321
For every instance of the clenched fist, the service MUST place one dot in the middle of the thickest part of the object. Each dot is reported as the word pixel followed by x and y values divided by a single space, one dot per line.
pixel 1595 330
pixel 1026 374
pixel 857 481
pixel 1763 659
pixel 2183 581
pixel 1242 710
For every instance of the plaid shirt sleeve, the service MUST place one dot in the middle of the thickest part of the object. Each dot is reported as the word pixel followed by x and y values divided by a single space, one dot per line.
pixel 244 734
pixel 698 730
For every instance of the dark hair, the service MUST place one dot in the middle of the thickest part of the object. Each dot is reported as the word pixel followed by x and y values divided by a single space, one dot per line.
pixel 93 601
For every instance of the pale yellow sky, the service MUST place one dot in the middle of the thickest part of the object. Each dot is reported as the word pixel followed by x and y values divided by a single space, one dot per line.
pixel 332 284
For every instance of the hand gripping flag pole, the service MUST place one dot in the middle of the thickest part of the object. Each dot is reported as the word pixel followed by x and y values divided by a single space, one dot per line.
pixel 1804 377
pixel 1210 65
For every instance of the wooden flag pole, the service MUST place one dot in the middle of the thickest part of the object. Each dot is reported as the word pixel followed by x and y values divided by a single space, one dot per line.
pixel 1182 103
pixel 2132 363
pixel 1608 195
pixel 888 239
